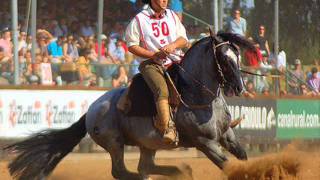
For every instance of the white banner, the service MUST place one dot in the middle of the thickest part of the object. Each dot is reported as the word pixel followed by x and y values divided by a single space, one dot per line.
pixel 46 74
pixel 23 112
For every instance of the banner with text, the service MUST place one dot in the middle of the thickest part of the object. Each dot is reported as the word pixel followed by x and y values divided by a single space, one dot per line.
pixel 23 112
pixel 260 119
pixel 298 119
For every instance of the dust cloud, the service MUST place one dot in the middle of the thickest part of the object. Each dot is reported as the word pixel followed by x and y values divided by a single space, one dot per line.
pixel 291 163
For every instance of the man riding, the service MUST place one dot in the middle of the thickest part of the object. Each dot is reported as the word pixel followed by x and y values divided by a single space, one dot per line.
pixel 156 35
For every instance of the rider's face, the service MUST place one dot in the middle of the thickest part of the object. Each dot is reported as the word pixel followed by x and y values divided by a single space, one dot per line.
pixel 159 5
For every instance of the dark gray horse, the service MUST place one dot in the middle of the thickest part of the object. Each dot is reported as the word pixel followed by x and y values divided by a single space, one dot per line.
pixel 203 121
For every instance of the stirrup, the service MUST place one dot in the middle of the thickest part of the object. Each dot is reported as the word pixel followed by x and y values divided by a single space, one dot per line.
pixel 172 126
pixel 171 136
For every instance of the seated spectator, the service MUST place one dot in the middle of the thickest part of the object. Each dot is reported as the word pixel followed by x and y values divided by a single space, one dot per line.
pixel 250 90
pixel 109 59
pixel 314 81
pixel 55 28
pixel 37 65
pixel 55 50
pixel 83 64
pixel 282 61
pixel 42 46
pixel 93 56
pixel 305 91
pixel 261 82
pixel 64 27
pixel 29 42
pixel 265 91
pixel 70 50
pixel 86 29
pixel 3 67
pixel 46 35
pixel 121 79
pixel 262 41
pixel 33 71
pixel 103 46
pixel 74 29
pixel 237 24
pixel 294 81
pixel 5 42
pixel 119 53
pixel 253 58
pixel 309 75
pixel 111 46
pixel 22 44
pixel 6 65
pixel 23 66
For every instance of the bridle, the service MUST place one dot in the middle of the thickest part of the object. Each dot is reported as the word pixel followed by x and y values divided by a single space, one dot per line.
pixel 222 79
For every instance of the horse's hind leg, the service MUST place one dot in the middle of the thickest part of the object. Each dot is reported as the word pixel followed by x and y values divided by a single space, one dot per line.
pixel 113 144
pixel 229 141
pixel 147 166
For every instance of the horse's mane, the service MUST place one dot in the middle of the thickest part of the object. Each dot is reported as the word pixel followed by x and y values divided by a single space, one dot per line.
pixel 231 37
pixel 195 45
pixel 237 39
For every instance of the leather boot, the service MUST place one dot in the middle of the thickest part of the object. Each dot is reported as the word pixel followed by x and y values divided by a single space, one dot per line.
pixel 162 122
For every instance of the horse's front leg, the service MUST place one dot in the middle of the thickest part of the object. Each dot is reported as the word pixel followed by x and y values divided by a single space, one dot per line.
pixel 147 166
pixel 212 150
pixel 229 141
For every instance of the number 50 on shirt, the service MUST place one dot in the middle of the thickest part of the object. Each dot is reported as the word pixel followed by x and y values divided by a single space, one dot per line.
pixel 164 29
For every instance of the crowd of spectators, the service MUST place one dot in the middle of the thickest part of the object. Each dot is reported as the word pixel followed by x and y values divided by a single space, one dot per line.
pixel 263 61
pixel 68 43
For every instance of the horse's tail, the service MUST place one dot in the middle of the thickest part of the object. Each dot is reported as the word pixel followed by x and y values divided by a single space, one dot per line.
pixel 41 153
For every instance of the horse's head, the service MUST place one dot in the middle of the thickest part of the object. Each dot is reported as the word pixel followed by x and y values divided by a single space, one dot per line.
pixel 227 60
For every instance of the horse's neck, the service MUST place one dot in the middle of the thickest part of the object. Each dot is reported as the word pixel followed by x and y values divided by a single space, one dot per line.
pixel 198 72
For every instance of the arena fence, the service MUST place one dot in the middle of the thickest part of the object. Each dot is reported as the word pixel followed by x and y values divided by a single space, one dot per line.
pixel 102 75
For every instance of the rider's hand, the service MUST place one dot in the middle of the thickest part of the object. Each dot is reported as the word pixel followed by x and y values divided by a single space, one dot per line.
pixel 169 49
pixel 159 57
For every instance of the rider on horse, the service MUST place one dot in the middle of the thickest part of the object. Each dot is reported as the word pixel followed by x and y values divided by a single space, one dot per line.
pixel 156 35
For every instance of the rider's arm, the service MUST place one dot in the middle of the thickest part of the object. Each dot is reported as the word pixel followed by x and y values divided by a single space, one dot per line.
pixel 133 41
pixel 141 52
pixel 182 40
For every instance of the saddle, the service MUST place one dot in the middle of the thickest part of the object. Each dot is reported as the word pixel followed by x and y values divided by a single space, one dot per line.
pixel 137 100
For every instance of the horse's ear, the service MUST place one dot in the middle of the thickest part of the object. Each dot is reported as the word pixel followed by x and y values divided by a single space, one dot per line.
pixel 212 34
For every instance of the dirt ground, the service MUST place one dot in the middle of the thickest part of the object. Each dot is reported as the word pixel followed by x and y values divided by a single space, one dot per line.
pixel 289 164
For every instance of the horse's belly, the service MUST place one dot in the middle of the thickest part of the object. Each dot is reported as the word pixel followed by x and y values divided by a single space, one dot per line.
pixel 140 131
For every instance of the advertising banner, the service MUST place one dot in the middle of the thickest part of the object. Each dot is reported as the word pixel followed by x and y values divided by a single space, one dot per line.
pixel 298 119
pixel 260 116
pixel 23 112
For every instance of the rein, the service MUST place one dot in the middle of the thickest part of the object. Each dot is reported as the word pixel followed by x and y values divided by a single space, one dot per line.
pixel 204 87
pixel 255 74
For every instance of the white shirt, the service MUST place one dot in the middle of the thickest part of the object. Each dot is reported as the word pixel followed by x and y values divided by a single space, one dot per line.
pixel 138 32
pixel 282 60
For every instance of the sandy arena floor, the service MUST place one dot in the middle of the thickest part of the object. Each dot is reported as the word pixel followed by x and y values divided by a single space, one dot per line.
pixel 289 164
